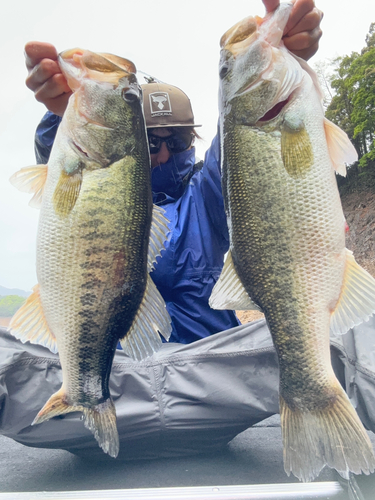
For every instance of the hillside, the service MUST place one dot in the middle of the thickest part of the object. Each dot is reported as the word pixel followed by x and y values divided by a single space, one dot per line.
pixel 13 291
pixel 359 210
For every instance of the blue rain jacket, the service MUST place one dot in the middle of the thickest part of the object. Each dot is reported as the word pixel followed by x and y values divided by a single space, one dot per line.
pixel 190 265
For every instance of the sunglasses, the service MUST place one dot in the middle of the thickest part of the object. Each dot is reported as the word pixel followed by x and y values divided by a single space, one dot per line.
pixel 175 143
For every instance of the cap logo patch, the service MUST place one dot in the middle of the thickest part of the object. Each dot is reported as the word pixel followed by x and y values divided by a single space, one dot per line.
pixel 160 104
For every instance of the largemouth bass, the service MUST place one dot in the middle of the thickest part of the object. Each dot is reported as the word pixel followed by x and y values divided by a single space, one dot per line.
pixel 287 238
pixel 98 237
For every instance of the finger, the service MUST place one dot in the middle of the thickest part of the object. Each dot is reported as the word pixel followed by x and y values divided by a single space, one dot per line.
pixel 42 72
pixel 304 44
pixel 271 5
pixel 307 53
pixel 49 94
pixel 54 87
pixel 309 22
pixel 299 11
pixel 36 51
pixel 57 105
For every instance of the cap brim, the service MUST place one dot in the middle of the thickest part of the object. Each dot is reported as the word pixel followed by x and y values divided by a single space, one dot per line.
pixel 186 125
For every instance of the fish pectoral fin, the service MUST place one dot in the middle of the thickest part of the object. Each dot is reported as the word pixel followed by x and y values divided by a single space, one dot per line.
pixel 333 436
pixel 29 323
pixel 158 235
pixel 31 180
pixel 152 318
pixel 357 299
pixel 296 151
pixel 229 292
pixel 341 150
pixel 99 419
pixel 66 192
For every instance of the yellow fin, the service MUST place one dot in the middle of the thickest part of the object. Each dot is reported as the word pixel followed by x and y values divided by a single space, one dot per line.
pixel 332 436
pixel 152 317
pixel 29 323
pixel 158 235
pixel 67 192
pixel 31 180
pixel 340 148
pixel 296 151
pixel 229 292
pixel 357 299
pixel 56 405
pixel 99 419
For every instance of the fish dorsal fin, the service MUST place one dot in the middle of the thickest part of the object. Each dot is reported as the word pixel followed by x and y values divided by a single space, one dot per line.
pixel 158 235
pixel 29 323
pixel 143 338
pixel 31 180
pixel 340 148
pixel 357 299
pixel 229 292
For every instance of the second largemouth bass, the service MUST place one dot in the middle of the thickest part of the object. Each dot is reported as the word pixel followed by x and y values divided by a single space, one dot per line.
pixel 287 238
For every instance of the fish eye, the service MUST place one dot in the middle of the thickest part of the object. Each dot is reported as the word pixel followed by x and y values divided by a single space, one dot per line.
pixel 130 95
pixel 223 71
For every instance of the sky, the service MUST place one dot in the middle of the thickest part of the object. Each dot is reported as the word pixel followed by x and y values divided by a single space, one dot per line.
pixel 178 43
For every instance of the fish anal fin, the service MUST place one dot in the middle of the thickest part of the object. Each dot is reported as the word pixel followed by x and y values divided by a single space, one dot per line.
pixel 66 192
pixel 332 436
pixel 158 235
pixel 152 318
pixel 357 298
pixel 296 151
pixel 340 148
pixel 31 180
pixel 100 419
pixel 56 405
pixel 29 323
pixel 229 292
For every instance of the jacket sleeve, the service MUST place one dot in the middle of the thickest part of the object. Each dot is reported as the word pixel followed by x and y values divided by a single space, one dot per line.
pixel 211 188
pixel 45 135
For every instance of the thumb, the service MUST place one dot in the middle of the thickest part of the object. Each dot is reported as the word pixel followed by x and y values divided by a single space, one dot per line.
pixel 271 5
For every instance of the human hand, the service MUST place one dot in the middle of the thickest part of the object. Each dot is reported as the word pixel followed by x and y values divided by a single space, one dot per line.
pixel 302 32
pixel 45 78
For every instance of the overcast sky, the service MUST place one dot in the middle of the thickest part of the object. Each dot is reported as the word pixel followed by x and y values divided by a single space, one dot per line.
pixel 177 42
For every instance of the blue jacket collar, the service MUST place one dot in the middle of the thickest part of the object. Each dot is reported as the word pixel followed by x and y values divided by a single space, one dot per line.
pixel 169 180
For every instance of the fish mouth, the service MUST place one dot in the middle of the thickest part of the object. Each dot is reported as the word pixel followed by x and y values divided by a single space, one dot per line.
pixel 275 111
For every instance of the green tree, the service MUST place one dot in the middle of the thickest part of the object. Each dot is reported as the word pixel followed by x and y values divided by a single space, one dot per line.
pixel 370 38
pixel 10 304
pixel 353 106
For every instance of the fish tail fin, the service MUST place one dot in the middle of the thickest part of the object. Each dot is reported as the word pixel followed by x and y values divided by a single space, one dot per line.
pixel 99 419
pixel 332 436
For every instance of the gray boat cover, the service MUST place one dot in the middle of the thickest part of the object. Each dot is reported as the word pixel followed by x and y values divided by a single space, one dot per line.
pixel 185 399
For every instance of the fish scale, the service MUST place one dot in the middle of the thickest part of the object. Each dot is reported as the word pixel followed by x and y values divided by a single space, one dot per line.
pixel 78 239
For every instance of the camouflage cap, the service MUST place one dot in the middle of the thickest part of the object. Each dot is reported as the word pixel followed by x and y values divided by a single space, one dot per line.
pixel 166 106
